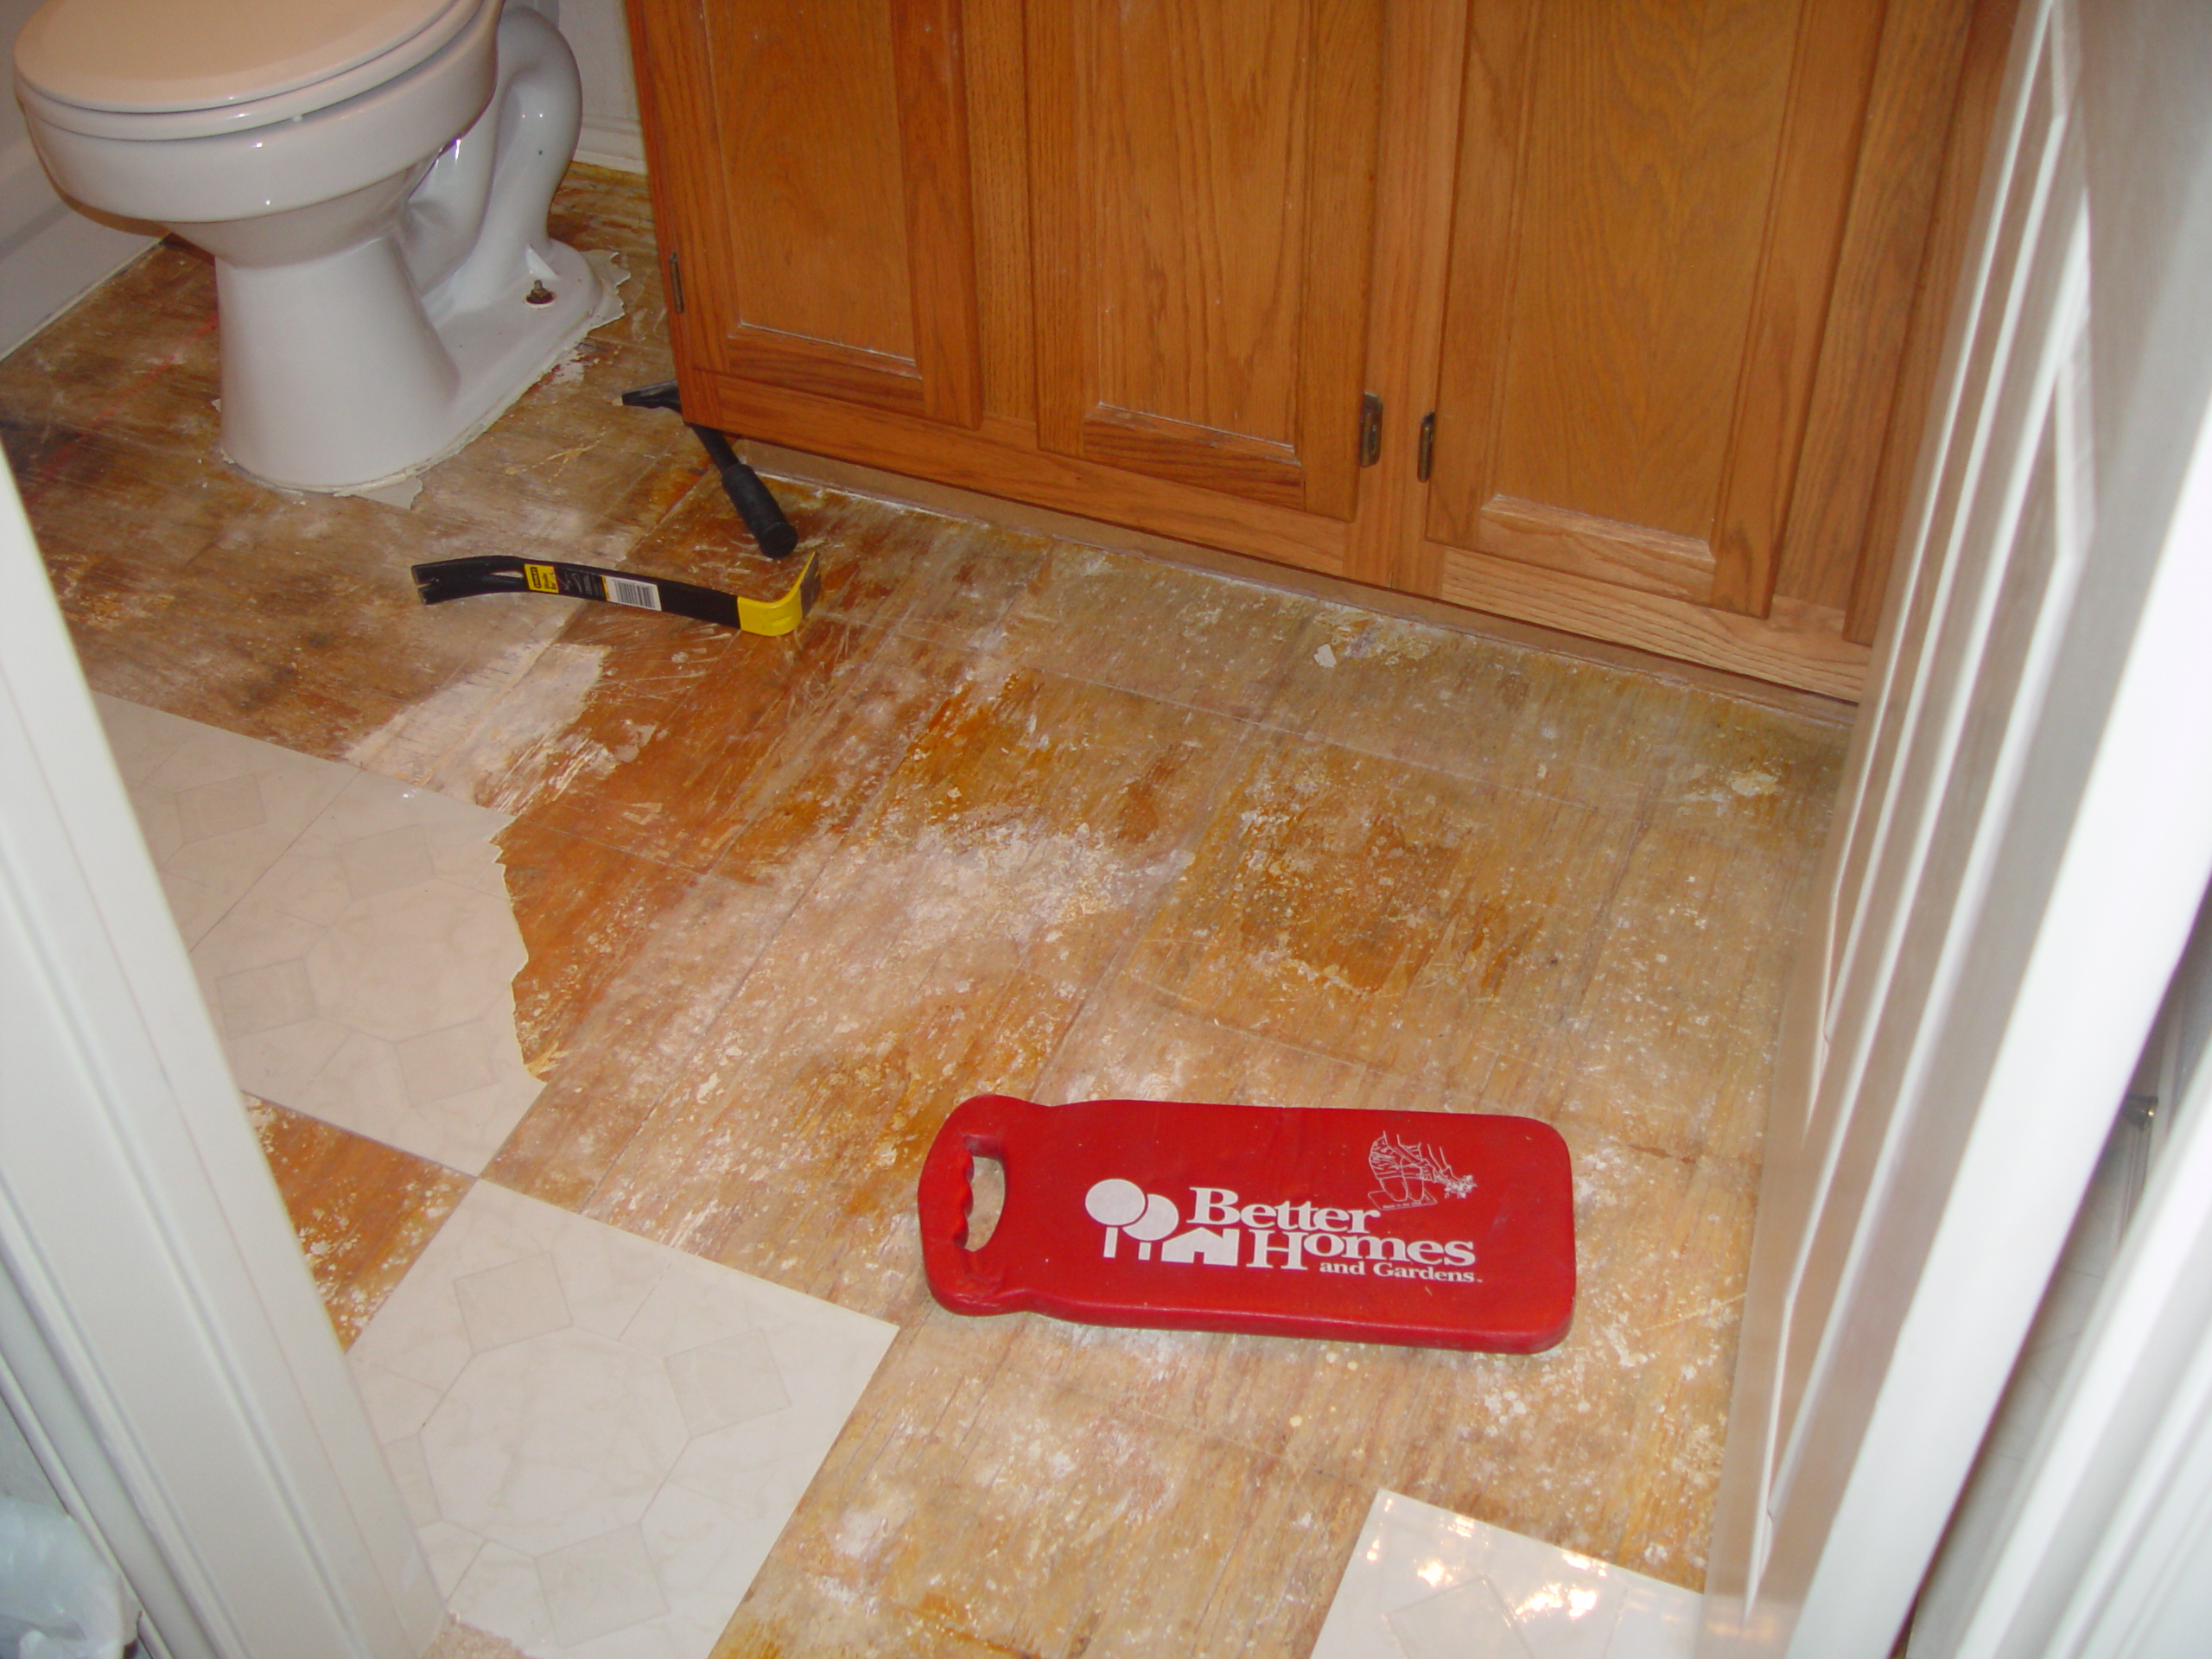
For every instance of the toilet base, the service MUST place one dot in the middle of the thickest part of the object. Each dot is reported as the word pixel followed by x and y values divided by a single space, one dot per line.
pixel 449 382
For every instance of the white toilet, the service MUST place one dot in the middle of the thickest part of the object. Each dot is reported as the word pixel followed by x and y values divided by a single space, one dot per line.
pixel 373 178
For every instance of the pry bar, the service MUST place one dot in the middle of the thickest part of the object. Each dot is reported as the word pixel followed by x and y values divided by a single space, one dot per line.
pixel 445 579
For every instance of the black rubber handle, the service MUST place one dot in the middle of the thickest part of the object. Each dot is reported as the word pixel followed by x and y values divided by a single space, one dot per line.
pixel 749 496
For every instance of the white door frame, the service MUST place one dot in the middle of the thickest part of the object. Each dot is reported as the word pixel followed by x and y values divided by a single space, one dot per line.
pixel 159 1334
pixel 2083 879
pixel 2098 1550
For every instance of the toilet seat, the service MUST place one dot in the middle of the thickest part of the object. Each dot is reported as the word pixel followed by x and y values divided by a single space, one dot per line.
pixel 161 69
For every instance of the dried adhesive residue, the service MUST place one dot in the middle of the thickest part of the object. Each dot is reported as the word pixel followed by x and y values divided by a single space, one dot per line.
pixel 1753 782
pixel 526 739
pixel 411 744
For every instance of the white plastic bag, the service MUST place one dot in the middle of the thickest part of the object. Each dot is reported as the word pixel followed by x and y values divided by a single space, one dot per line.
pixel 59 1599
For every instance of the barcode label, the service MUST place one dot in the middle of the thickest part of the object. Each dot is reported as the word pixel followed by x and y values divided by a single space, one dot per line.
pixel 621 590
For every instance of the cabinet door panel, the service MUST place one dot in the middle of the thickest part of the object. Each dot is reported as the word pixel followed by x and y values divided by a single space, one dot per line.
pixel 1650 201
pixel 1639 251
pixel 1203 178
pixel 818 245
pixel 833 249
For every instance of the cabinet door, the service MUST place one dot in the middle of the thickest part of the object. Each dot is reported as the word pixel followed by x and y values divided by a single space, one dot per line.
pixel 1649 202
pixel 811 171
pixel 1202 182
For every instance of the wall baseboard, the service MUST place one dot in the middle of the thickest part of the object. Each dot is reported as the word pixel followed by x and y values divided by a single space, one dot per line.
pixel 612 141
pixel 52 263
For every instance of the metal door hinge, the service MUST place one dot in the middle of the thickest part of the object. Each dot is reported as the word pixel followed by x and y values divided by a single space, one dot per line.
pixel 675 284
pixel 1370 429
pixel 1427 446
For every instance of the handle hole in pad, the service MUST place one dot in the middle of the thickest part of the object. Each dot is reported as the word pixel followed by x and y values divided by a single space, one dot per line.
pixel 989 1185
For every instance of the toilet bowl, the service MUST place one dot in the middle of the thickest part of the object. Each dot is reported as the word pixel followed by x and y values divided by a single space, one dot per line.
pixel 371 177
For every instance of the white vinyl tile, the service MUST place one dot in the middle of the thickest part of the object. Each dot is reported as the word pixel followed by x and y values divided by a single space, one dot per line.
pixel 1424 1583
pixel 351 934
pixel 600 1438
pixel 217 809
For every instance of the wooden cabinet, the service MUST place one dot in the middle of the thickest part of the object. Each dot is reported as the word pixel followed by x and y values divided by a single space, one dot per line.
pixel 1614 298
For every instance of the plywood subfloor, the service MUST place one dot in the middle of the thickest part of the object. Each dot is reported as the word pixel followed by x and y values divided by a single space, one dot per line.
pixel 1017 814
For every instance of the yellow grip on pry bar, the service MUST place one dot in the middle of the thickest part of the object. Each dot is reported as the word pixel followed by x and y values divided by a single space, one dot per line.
pixel 782 614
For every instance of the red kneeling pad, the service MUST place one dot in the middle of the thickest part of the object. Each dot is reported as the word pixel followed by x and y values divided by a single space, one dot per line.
pixel 1430 1229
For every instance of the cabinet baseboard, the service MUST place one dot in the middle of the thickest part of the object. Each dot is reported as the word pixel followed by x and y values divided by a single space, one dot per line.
pixel 779 460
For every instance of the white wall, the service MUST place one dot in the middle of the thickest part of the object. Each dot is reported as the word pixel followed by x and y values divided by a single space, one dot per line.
pixel 50 253
pixel 601 43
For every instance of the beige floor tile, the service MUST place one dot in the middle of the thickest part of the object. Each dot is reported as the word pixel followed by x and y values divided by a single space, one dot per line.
pixel 599 1438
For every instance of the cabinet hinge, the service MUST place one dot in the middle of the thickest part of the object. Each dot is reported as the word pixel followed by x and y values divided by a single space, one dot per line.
pixel 675 284
pixel 1427 445
pixel 1370 429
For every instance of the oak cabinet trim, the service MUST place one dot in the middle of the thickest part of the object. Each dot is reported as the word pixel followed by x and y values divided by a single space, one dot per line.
pixel 1056 234
pixel 1629 556
pixel 1989 33
pixel 1799 645
pixel 683 193
pixel 1483 234
pixel 1831 46
pixel 827 368
pixel 1199 455
pixel 1870 303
